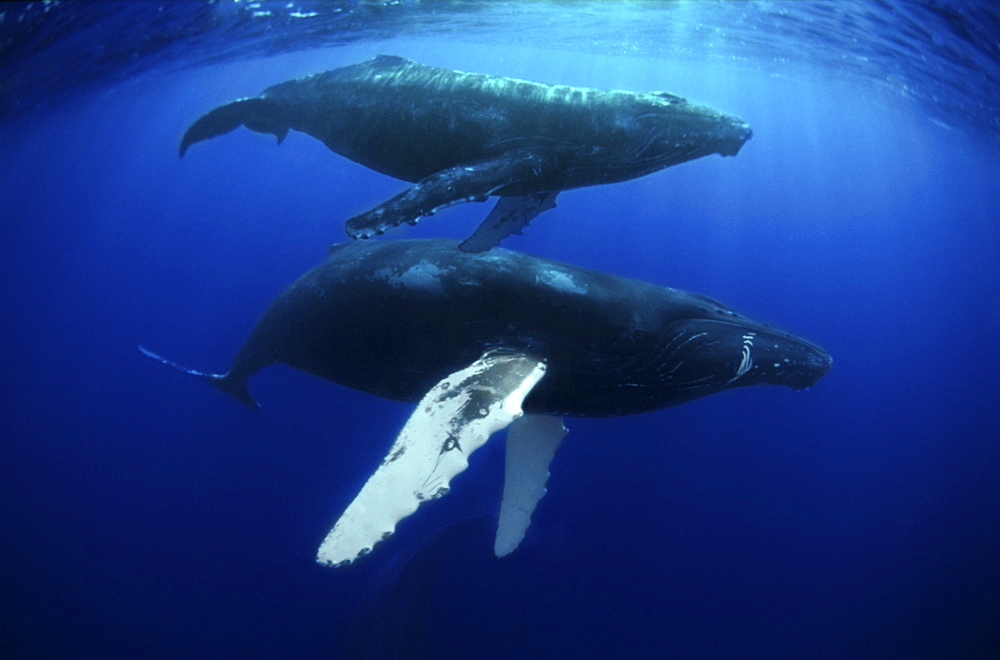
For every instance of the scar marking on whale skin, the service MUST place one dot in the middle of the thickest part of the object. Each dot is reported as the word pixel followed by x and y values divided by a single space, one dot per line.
pixel 423 276
pixel 746 359
pixel 560 281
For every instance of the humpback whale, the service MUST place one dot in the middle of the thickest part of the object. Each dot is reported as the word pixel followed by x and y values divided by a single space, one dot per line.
pixel 463 137
pixel 486 340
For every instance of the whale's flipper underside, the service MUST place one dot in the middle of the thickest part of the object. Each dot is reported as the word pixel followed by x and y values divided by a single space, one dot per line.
pixel 465 183
pixel 509 216
pixel 532 441
pixel 456 417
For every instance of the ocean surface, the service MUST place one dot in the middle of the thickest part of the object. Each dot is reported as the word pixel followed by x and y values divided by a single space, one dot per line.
pixel 145 515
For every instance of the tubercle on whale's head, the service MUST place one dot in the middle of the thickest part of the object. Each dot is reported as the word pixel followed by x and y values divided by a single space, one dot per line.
pixel 738 132
pixel 682 130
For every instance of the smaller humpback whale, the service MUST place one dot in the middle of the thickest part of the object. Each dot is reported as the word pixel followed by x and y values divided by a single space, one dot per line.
pixel 480 339
pixel 464 137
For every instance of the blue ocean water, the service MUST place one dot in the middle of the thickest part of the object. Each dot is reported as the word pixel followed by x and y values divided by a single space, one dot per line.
pixel 145 515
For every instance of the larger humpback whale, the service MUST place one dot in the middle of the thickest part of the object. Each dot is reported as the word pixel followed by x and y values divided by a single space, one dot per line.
pixel 465 136
pixel 478 339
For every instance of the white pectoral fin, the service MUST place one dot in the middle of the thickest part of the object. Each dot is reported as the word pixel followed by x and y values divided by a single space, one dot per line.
pixel 531 443
pixel 456 417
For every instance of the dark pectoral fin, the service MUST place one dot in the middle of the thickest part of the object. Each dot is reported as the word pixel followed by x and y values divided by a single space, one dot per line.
pixel 509 216
pixel 463 183
pixel 257 114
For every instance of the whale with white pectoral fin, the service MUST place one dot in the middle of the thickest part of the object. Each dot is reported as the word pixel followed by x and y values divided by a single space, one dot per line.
pixel 462 137
pixel 493 340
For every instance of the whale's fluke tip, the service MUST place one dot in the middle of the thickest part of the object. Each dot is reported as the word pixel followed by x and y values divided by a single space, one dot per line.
pixel 223 382
pixel 257 114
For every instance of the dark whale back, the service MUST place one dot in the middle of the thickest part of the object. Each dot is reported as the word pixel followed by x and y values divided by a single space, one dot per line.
pixel 410 120
pixel 431 118
pixel 394 317
pixel 462 137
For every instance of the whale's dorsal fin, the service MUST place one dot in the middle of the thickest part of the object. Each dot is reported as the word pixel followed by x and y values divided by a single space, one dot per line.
pixel 456 417
pixel 532 441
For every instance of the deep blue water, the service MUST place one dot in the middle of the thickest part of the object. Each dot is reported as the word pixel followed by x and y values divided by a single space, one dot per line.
pixel 145 515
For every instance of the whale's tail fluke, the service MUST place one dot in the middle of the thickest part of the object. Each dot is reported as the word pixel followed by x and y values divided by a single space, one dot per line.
pixel 223 382
pixel 257 114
